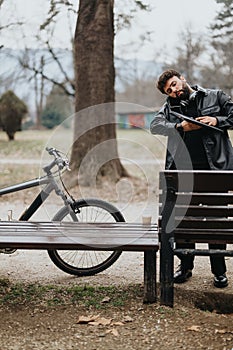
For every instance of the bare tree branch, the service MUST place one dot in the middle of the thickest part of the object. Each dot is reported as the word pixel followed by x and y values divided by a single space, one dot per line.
pixel 11 25
pixel 56 59
pixel 123 17
pixel 49 20
pixel 39 71
pixel 54 11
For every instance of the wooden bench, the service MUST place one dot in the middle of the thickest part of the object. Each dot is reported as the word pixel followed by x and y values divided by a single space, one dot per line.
pixel 195 207
pixel 85 236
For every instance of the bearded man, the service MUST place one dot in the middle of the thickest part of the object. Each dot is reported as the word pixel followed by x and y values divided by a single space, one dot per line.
pixel 208 148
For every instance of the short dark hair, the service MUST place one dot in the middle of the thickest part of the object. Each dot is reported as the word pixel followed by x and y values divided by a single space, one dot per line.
pixel 164 77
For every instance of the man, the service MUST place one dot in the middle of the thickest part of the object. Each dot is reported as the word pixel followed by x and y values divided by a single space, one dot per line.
pixel 208 149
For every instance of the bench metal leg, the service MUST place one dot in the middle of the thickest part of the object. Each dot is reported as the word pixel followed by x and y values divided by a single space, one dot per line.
pixel 150 291
pixel 166 271
pixel 166 250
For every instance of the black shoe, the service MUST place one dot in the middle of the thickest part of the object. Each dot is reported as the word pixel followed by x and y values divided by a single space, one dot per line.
pixel 182 275
pixel 220 281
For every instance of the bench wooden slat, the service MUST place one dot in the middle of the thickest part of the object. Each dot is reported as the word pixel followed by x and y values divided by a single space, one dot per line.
pixel 147 241
pixel 77 227
pixel 75 235
pixel 124 226
pixel 205 198
pixel 203 210
pixel 203 236
pixel 216 225
pixel 195 224
pixel 112 244
pixel 224 200
pixel 198 180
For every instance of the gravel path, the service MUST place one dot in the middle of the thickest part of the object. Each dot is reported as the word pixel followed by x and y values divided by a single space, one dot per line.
pixel 133 326
pixel 36 266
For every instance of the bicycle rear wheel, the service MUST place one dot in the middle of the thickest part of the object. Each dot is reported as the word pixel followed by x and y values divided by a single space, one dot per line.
pixel 82 262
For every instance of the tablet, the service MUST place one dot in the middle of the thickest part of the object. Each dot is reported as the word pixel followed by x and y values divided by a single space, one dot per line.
pixel 194 121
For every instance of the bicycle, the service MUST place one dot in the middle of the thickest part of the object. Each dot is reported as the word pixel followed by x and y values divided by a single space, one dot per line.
pixel 74 262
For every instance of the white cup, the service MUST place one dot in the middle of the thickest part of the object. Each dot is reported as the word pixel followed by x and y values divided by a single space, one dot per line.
pixel 146 220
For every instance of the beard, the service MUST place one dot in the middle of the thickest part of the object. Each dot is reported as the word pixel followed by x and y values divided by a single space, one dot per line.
pixel 184 96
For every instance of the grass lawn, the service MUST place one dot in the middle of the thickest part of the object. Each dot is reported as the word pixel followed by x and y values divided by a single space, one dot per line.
pixel 31 143
pixel 141 152
pixel 133 145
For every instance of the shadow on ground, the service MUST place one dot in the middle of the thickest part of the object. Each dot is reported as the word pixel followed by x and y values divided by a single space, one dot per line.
pixel 213 300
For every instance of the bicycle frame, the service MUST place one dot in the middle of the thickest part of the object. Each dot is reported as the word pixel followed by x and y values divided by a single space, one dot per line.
pixel 51 185
pixel 73 262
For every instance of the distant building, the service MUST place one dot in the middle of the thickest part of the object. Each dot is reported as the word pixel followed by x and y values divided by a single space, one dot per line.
pixel 130 116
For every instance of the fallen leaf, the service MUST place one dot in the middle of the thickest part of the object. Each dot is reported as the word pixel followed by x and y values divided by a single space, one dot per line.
pixel 113 331
pixel 128 319
pixel 101 321
pixel 87 319
pixel 194 328
pixel 118 323
pixel 105 300
pixel 222 331
pixel 93 323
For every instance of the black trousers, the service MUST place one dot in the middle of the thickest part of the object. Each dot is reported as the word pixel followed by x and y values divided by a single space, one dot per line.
pixel 217 263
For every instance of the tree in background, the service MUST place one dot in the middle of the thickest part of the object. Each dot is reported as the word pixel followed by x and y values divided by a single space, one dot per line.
pixel 220 71
pixel 41 67
pixel 94 69
pixel 57 109
pixel 95 77
pixel 141 92
pixel 12 112
pixel 36 65
pixel 95 82
pixel 51 118
pixel 94 74
pixel 189 52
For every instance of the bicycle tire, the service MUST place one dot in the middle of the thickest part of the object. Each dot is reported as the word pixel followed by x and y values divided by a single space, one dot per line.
pixel 103 212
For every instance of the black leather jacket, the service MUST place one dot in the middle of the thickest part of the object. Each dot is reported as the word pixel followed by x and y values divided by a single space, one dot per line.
pixel 217 145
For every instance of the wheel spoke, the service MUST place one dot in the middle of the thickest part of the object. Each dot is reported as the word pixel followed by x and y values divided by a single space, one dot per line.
pixel 82 262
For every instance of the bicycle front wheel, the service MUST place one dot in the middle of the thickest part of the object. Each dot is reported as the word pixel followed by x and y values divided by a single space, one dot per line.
pixel 86 262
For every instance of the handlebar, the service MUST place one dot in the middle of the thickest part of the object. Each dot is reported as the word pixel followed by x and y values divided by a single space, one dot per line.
pixel 60 160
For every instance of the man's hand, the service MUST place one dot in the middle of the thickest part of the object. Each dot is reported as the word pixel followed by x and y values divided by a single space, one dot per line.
pixel 212 121
pixel 189 126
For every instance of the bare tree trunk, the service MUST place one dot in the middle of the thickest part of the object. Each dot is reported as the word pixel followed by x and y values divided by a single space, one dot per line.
pixel 39 92
pixel 94 150
pixel 39 99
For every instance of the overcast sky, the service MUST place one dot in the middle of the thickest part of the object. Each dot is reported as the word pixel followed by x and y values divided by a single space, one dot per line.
pixel 165 21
